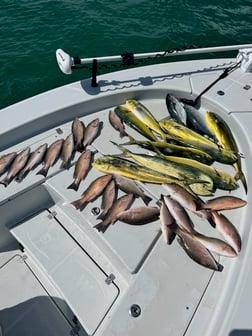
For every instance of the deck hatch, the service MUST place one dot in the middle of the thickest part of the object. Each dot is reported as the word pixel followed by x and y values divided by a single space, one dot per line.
pixel 28 310
pixel 80 283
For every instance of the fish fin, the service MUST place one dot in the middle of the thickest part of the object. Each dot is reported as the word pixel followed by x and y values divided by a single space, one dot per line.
pixel 43 171
pixel 210 218
pixel 74 186
pixel 240 176
pixel 101 227
pixel 78 204
pixel 125 151
pixel 171 237
pixel 132 140
pixel 102 215
pixel 146 199
pixel 21 176
pixel 123 133
pixel 5 182
pixel 189 181
pixel 79 148
pixel 65 165
pixel 199 204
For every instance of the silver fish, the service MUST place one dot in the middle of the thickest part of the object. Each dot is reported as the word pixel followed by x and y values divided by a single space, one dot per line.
pixel 67 151
pixel 166 223
pixel 176 109
pixel 131 187
pixel 196 251
pixel 5 161
pixel 119 205
pixel 34 160
pixel 91 132
pixel 179 214
pixel 108 198
pixel 80 170
pixel 183 196
pixel 196 120
pixel 51 156
pixel 188 200
pixel 94 190
pixel 117 123
pixel 16 166
pixel 223 203
pixel 78 130
pixel 215 245
pixel 139 215
pixel 228 231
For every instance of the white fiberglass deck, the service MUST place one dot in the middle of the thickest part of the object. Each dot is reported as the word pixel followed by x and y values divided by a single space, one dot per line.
pixel 91 280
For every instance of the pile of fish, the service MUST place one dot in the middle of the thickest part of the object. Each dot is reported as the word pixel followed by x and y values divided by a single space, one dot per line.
pixel 182 162
pixel 182 150
pixel 18 165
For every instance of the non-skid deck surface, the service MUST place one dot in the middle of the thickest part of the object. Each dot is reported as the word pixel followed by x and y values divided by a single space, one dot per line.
pixel 78 280
pixel 25 308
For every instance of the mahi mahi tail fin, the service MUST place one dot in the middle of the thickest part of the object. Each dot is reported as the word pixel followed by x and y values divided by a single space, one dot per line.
pixel 240 176
pixel 125 151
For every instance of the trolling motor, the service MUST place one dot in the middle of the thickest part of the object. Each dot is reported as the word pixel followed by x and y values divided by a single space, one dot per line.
pixel 65 61
pixel 68 63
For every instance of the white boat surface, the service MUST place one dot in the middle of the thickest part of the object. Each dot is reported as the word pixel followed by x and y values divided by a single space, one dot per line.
pixel 60 276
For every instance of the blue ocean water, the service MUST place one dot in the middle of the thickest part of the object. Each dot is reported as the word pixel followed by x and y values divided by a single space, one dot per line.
pixel 31 31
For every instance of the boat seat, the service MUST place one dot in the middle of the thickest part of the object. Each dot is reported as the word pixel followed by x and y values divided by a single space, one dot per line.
pixel 68 267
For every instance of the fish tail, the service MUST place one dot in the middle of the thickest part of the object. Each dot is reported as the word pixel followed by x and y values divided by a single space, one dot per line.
pixel 78 204
pixel 102 215
pixel 20 177
pixel 65 165
pixel 79 147
pixel 74 186
pixel 101 227
pixel 199 204
pixel 43 171
pixel 210 218
pixel 146 199
pixel 131 141
pixel 123 133
pixel 5 182
pixel 125 151
pixel 240 176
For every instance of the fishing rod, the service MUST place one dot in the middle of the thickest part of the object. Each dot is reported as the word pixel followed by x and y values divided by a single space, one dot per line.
pixel 68 63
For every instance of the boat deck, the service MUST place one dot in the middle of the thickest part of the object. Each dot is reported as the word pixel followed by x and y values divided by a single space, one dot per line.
pixel 63 276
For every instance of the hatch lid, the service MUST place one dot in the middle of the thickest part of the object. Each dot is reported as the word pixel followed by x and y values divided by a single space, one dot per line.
pixel 79 281
pixel 25 308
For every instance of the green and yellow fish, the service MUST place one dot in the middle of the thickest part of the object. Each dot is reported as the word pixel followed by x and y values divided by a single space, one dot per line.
pixel 131 120
pixel 146 117
pixel 224 136
pixel 188 137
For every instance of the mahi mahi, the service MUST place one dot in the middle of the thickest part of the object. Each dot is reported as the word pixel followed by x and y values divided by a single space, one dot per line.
pixel 188 137
pixel 168 148
pixel 116 165
pixel 164 165
pixel 224 136
pixel 131 120
pixel 143 114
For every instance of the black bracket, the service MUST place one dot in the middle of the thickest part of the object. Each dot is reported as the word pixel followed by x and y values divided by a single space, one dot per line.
pixel 76 60
pixel 94 73
pixel 128 59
